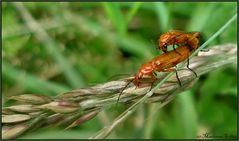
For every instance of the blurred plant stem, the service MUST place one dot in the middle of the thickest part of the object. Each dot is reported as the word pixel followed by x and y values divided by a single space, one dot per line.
pixel 50 45
pixel 151 120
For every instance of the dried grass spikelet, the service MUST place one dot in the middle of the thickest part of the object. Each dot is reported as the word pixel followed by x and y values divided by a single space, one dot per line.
pixel 73 108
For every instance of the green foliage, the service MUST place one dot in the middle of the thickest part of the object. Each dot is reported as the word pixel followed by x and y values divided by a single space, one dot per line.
pixel 87 43
pixel 114 13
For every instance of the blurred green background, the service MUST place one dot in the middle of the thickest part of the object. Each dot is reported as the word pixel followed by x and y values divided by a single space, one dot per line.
pixel 87 43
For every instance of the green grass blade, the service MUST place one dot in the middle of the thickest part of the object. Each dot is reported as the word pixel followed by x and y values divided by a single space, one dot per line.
pixel 51 46
pixel 200 17
pixel 114 13
pixel 31 82
pixel 188 114
pixel 215 35
pixel 130 43
pixel 162 12
pixel 135 46
pixel 151 120
pixel 133 10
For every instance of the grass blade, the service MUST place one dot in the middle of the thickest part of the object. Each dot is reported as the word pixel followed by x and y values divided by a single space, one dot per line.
pixel 116 16
pixel 25 79
pixel 200 17
pixel 133 10
pixel 163 16
pixel 50 45
pixel 188 114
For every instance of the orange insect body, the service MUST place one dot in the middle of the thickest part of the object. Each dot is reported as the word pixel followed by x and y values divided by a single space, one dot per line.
pixel 168 60
pixel 175 37
pixel 162 63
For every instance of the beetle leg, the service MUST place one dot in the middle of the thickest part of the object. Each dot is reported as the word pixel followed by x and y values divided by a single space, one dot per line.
pixel 154 77
pixel 190 68
pixel 178 78
pixel 176 72
pixel 123 90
